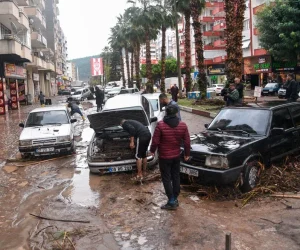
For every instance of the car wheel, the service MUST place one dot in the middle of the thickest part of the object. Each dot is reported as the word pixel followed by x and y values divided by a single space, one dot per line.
pixel 250 176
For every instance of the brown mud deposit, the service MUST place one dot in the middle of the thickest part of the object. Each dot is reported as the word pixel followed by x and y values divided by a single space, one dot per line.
pixel 124 215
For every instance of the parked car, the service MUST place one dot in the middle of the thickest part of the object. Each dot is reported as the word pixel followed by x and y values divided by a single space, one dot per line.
pixel 216 88
pixel 74 89
pixel 270 89
pixel 47 131
pixel 282 92
pixel 66 92
pixel 129 91
pixel 111 85
pixel 109 149
pixel 81 94
pixel 159 111
pixel 235 145
pixel 114 91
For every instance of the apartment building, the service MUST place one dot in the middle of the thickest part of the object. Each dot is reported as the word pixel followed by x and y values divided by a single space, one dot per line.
pixel 26 59
pixel 170 34
pixel 71 71
pixel 152 51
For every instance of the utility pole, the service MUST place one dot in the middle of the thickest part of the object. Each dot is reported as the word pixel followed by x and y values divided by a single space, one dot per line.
pixel 178 51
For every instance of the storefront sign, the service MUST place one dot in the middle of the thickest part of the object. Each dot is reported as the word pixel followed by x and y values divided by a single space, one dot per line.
pixel 285 66
pixel 13 71
pixel 216 69
pixel 257 64
pixel 36 77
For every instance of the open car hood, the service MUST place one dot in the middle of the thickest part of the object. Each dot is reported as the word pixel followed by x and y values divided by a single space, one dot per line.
pixel 112 118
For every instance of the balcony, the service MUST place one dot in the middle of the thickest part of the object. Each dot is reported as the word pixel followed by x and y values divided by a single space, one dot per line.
pixel 212 47
pixel 219 43
pixel 38 41
pixel 9 10
pixel 37 17
pixel 219 59
pixel 260 52
pixel 219 26
pixel 23 19
pixel 219 11
pixel 10 45
pixel 213 4
pixel 22 2
pixel 38 63
pixel 213 33
pixel 210 19
pixel 41 4
pixel 50 66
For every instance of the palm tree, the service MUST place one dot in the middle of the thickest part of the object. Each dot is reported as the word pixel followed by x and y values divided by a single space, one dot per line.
pixel 196 8
pixel 234 10
pixel 168 20
pixel 148 17
pixel 116 41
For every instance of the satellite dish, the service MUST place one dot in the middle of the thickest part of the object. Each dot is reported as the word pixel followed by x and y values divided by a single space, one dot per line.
pixel 14 28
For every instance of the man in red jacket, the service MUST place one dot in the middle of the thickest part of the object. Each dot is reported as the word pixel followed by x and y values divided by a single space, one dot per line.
pixel 167 138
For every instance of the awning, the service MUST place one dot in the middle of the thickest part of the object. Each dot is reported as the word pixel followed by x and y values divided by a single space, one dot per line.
pixel 246 44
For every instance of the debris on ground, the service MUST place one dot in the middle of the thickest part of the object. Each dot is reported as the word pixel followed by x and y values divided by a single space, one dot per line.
pixel 274 181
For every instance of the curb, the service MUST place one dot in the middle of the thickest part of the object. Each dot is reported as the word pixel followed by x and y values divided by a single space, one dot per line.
pixel 198 112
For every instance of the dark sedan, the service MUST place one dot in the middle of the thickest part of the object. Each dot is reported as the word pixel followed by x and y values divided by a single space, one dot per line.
pixel 240 140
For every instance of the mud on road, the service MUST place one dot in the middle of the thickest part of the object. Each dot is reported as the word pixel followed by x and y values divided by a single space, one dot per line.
pixel 123 215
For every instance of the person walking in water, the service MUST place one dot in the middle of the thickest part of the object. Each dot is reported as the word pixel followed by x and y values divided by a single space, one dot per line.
pixel 41 98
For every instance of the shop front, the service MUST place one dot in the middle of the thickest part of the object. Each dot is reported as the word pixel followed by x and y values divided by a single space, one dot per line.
pixel 281 69
pixel 257 70
pixel 12 87
pixel 216 73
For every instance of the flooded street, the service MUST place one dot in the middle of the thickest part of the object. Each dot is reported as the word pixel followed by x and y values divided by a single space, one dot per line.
pixel 111 212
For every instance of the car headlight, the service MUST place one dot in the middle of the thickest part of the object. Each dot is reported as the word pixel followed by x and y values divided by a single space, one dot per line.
pixel 25 143
pixel 216 162
pixel 65 138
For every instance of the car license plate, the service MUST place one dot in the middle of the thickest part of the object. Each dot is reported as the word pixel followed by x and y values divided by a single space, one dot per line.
pixel 189 171
pixel 45 150
pixel 120 169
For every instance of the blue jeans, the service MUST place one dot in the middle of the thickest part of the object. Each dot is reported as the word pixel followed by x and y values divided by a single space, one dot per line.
pixel 76 110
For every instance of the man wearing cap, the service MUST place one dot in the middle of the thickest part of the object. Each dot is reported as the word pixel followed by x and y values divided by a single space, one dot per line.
pixel 168 137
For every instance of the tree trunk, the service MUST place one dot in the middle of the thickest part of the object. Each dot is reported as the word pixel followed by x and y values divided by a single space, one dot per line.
pixel 187 48
pixel 163 59
pixel 149 85
pixel 127 64
pixel 137 64
pixel 202 80
pixel 130 85
pixel 122 68
pixel 233 34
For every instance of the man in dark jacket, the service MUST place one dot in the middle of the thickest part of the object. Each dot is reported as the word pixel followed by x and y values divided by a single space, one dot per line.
pixel 167 138
pixel 165 101
pixel 240 88
pixel 291 88
pixel 75 109
pixel 174 92
pixel 99 98
pixel 141 134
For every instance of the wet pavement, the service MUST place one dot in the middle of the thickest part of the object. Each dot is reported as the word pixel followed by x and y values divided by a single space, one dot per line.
pixel 121 214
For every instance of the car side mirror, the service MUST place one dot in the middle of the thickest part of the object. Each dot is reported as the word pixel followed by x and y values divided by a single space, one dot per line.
pixel 163 109
pixel 21 125
pixel 153 119
pixel 73 120
pixel 277 131
pixel 206 125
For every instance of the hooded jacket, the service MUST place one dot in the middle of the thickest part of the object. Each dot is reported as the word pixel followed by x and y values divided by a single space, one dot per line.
pixel 168 137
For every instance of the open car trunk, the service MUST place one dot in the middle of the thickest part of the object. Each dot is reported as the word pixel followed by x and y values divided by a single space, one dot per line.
pixel 111 145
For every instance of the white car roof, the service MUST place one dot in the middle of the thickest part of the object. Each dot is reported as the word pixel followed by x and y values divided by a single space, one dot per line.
pixel 123 101
pixel 51 108
pixel 152 96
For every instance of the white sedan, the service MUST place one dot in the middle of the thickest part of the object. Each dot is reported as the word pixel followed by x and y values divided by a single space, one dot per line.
pixel 216 88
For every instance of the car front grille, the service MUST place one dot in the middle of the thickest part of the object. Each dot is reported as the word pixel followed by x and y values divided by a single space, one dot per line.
pixel 198 160
pixel 44 141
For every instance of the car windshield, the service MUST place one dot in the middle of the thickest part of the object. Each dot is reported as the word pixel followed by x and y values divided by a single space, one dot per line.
pixel 252 121
pixel 78 92
pixel 125 91
pixel 46 118
pixel 271 85
pixel 154 103
pixel 220 86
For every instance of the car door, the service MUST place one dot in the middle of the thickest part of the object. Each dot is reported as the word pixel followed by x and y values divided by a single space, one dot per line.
pixel 283 144
pixel 295 113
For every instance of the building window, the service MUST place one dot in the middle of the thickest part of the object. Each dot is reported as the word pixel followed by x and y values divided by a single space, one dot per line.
pixel 246 24
pixel 4 31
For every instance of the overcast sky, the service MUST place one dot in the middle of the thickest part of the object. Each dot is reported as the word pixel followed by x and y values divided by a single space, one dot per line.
pixel 87 23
